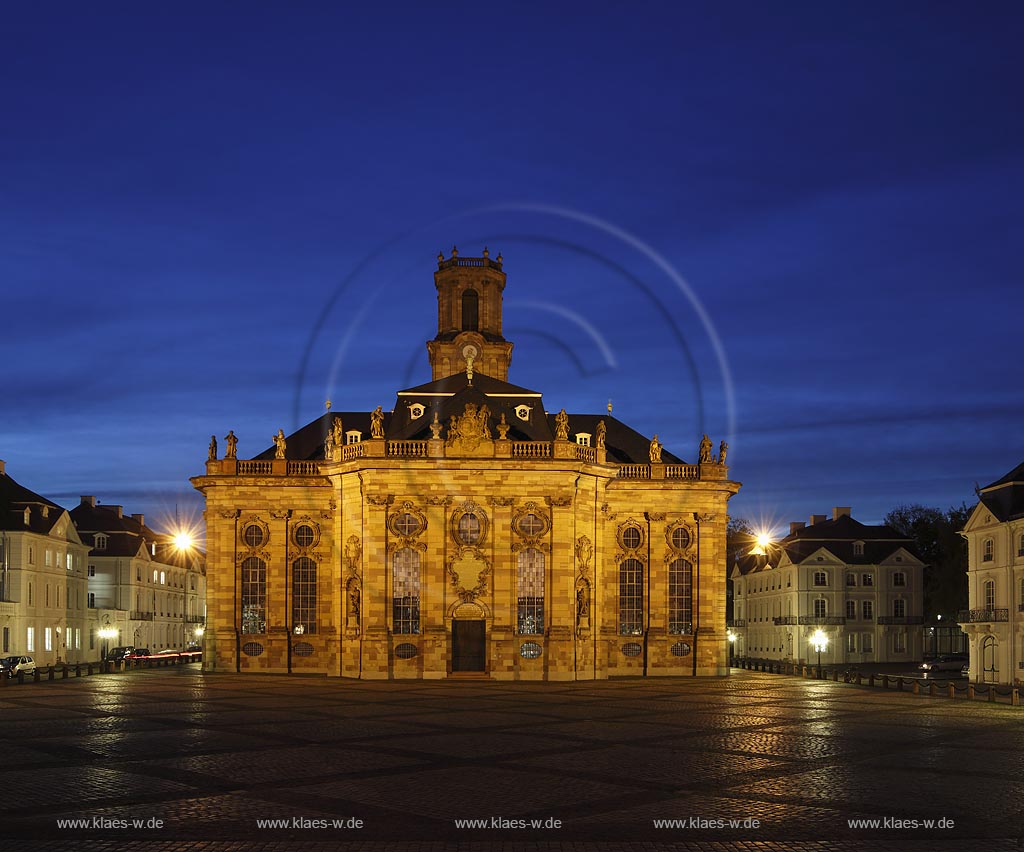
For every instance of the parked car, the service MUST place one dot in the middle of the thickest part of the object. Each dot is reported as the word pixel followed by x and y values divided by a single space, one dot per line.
pixel 121 652
pixel 195 646
pixel 138 654
pixel 945 663
pixel 966 670
pixel 167 652
pixel 10 666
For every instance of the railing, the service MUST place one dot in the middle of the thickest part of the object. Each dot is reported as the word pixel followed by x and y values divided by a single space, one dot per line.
pixel 736 622
pixel 634 471
pixel 352 451
pixel 136 615
pixel 785 619
pixel 531 450
pixel 407 449
pixel 974 616
pixel 901 619
pixel 255 468
pixel 682 471
pixel 822 619
pixel 195 619
pixel 469 261
pixel 587 454
pixel 303 468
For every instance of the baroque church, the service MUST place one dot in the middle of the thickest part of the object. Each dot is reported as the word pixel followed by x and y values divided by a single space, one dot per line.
pixel 467 532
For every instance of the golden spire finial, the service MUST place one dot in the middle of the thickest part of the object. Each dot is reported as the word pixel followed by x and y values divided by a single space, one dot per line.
pixel 327 404
pixel 609 406
pixel 455 251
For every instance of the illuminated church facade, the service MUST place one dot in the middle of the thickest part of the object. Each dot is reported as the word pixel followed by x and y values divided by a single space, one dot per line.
pixel 468 532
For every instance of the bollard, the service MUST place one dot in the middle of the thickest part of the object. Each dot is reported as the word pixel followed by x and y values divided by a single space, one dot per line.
pixel 899 684
pixel 916 689
pixel 991 693
pixel 50 672
pixel 952 690
pixel 21 676
pixel 78 669
pixel 835 675
pixel 931 690
pixel 885 681
pixel 871 679
pixel 1015 697
pixel 35 675
pixel 970 690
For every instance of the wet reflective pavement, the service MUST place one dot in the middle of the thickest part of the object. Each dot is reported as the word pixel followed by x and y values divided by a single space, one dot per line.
pixel 170 758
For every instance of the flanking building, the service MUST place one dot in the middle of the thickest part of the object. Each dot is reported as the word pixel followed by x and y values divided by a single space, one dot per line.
pixel 994 621
pixel 140 583
pixel 469 531
pixel 43 583
pixel 861 585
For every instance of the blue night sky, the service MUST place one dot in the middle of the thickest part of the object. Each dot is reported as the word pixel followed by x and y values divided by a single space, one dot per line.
pixel 793 226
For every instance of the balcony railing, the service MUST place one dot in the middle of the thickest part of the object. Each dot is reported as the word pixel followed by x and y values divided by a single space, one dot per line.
pixel 136 615
pixel 976 616
pixel 901 619
pixel 255 468
pixel 785 619
pixel 586 454
pixel 531 450
pixel 195 619
pixel 407 449
pixel 303 468
pixel 822 619
pixel 736 622
pixel 635 471
pixel 682 471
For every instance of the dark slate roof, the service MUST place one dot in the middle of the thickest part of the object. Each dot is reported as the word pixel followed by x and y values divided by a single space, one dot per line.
pixel 125 534
pixel 838 536
pixel 624 445
pixel 752 563
pixel 308 442
pixel 13 500
pixel 1004 498
pixel 457 381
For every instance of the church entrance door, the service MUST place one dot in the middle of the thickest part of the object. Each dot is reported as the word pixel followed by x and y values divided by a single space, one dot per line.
pixel 469 644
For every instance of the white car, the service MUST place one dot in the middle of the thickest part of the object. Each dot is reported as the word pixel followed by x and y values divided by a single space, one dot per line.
pixel 945 663
pixel 10 666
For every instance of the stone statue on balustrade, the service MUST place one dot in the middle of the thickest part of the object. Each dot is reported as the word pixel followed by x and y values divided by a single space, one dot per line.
pixel 705 456
pixel 377 422
pixel 655 450
pixel 602 431
pixel 232 451
pixel 723 448
pixel 562 426
pixel 280 445
pixel 212 456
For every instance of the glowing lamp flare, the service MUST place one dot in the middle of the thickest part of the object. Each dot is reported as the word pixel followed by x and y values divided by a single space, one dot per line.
pixel 183 541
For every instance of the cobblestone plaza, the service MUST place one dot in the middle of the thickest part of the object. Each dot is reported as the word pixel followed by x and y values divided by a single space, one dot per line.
pixel 166 758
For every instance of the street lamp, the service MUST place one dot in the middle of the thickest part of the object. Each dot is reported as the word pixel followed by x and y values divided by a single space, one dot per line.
pixel 106 633
pixel 820 642
pixel 183 543
pixel 732 646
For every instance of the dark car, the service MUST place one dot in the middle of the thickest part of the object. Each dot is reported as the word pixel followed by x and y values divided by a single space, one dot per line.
pixel 944 663
pixel 138 654
pixel 121 652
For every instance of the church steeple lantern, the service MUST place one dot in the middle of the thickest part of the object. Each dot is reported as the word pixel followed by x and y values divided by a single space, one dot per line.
pixel 469 302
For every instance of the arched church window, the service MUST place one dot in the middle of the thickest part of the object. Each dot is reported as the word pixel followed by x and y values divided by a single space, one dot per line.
pixel 469 529
pixel 304 595
pixel 405 591
pixel 680 596
pixel 531 591
pixel 631 597
pixel 254 595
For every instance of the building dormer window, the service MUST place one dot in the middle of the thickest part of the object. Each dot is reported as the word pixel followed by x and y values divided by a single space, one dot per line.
pixel 583 439
pixel 416 411
pixel 353 436
pixel 858 548
pixel 987 550
pixel 523 412
pixel 101 541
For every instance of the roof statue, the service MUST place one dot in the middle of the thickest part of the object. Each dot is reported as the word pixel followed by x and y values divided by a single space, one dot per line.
pixel 562 426
pixel 377 422
pixel 655 452
pixel 280 444
pixel 705 456
pixel 232 451
pixel 723 448
pixel 213 448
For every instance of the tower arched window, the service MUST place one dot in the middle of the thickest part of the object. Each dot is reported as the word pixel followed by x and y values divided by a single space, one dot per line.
pixel 470 310
pixel 405 591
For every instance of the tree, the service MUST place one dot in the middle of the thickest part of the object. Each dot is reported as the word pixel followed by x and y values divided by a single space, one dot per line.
pixel 937 540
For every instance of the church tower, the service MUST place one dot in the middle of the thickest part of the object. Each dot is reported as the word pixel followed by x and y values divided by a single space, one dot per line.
pixel 469 293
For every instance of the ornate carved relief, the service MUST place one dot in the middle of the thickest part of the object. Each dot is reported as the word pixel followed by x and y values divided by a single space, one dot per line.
pixel 559 500
pixel 682 543
pixel 706 518
pixel 531 524
pixel 654 516
pixel 439 501
pixel 468 432
pixel 584 553
pixel 353 606
pixel 380 499
pixel 467 532
pixel 606 511
pixel 501 501
pixel 469 570
pixel 407 524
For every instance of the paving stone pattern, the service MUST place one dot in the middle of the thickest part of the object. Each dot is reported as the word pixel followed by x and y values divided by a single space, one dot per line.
pixel 211 755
